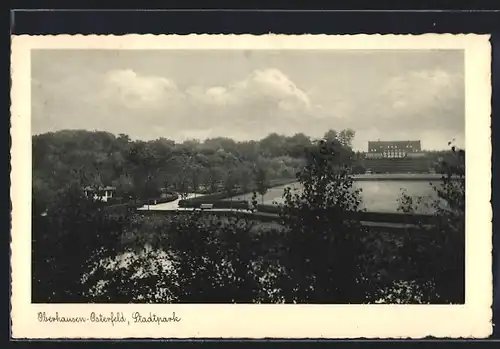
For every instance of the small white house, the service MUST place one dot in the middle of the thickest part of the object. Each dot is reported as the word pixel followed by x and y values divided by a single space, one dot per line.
pixel 101 193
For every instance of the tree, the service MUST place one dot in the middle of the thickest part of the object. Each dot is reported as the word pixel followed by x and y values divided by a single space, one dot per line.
pixel 43 195
pixel 297 144
pixel 261 182
pixel 345 137
pixel 228 145
pixel 254 201
pixel 437 253
pixel 245 177
pixel 230 182
pixel 324 248
pixel 150 188
pixel 273 145
pixel 331 135
pixel 145 169
pixel 76 234
pixel 124 186
pixel 195 177
pixel 214 178
pixel 182 185
pixel 249 151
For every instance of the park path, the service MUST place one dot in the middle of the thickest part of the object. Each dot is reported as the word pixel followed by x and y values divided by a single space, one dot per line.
pixel 168 206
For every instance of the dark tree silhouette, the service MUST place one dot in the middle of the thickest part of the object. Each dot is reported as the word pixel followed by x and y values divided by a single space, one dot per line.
pixel 261 182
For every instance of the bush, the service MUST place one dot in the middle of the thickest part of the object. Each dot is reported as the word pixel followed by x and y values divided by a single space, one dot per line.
pixel 437 254
pixel 269 209
pixel 215 196
pixel 115 200
pixel 191 258
pixel 323 262
pixel 75 233
pixel 160 200
pixel 169 197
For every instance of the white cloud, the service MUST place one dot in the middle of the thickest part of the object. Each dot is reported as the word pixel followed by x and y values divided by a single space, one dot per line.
pixel 426 93
pixel 272 83
pixel 263 96
pixel 269 86
pixel 142 105
pixel 139 91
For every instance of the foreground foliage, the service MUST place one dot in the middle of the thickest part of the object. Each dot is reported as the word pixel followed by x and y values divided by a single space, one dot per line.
pixel 84 253
pixel 438 252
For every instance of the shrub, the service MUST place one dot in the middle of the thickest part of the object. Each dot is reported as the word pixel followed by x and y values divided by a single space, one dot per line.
pixel 269 209
pixel 323 259
pixel 214 196
pixel 191 258
pixel 437 255
pixel 166 198
pixel 75 233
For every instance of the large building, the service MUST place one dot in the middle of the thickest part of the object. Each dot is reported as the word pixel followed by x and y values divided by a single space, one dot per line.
pixel 396 157
pixel 393 149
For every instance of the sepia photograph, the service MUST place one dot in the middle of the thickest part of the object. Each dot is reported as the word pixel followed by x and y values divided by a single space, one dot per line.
pixel 242 175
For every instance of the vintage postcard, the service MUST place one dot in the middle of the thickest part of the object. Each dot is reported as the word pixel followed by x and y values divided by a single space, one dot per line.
pixel 239 186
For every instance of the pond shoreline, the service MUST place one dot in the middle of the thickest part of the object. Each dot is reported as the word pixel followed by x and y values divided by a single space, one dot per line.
pixel 399 177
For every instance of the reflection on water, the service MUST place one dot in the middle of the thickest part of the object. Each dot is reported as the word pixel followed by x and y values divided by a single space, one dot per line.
pixel 382 196
pixel 379 196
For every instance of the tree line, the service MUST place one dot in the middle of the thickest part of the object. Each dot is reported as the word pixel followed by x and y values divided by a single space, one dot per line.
pixel 141 169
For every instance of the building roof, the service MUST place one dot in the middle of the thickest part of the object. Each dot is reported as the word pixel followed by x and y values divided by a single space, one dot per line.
pixel 383 143
pixel 89 188
pixel 386 145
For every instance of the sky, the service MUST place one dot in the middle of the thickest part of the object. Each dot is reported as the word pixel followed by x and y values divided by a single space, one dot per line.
pixel 247 94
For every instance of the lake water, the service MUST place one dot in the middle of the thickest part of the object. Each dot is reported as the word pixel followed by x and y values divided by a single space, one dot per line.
pixel 379 196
